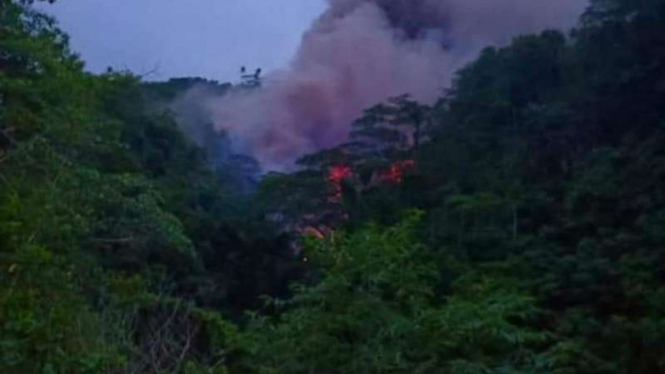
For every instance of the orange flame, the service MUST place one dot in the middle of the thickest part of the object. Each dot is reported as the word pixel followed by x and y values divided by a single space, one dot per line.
pixel 393 174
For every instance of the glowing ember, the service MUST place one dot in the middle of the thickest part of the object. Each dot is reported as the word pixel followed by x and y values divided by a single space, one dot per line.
pixel 396 171
pixel 336 176
pixel 339 173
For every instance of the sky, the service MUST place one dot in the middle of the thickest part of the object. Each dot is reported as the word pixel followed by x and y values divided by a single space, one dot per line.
pixel 174 38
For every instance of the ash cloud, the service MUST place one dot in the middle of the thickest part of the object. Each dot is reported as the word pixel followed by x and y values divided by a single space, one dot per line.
pixel 359 53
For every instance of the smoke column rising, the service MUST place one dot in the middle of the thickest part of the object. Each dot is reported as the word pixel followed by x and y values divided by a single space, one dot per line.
pixel 361 52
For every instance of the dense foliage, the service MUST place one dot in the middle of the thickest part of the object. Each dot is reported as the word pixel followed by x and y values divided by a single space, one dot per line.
pixel 516 226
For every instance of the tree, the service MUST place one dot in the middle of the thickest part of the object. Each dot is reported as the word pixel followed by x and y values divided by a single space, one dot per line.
pixel 377 309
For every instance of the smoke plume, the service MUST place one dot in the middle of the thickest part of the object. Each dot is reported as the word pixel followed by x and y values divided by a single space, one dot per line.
pixel 360 52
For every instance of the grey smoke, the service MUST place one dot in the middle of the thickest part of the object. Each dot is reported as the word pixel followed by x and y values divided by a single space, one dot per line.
pixel 359 53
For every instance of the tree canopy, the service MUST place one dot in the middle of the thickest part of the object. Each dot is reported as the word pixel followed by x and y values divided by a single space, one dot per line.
pixel 515 226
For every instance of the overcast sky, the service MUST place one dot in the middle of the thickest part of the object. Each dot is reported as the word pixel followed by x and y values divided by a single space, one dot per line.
pixel 208 38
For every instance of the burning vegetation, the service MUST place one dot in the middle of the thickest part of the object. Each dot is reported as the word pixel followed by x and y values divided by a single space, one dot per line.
pixel 393 174
pixel 336 176
pixel 396 171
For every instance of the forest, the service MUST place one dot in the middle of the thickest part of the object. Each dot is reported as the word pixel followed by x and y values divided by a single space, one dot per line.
pixel 515 226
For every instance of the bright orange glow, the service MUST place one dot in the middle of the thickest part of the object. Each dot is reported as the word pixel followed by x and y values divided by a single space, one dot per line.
pixel 393 174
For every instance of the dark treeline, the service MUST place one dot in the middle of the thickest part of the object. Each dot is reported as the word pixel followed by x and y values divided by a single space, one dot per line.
pixel 516 226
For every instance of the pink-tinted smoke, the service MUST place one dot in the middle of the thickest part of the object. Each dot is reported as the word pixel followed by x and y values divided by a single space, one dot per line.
pixel 360 52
